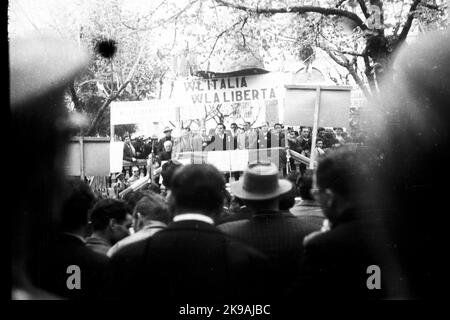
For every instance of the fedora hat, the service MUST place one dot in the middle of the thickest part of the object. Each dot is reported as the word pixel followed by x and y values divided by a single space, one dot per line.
pixel 166 129
pixel 259 182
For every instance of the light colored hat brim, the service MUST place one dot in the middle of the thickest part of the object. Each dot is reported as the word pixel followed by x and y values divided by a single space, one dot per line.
pixel 284 186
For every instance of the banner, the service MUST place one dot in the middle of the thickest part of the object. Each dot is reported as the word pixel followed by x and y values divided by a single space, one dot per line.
pixel 128 112
pixel 198 92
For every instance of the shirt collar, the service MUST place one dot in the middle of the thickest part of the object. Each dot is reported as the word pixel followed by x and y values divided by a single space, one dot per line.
pixel 193 216
pixel 75 235
pixel 154 224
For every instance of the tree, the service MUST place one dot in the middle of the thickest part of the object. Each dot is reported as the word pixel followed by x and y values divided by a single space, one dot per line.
pixel 134 72
pixel 361 36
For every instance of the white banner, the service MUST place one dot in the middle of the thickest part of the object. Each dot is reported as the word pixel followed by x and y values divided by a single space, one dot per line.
pixel 115 156
pixel 198 92
pixel 130 112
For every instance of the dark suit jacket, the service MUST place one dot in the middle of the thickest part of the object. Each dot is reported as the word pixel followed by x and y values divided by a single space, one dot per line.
pixel 336 261
pixel 217 144
pixel 190 261
pixel 128 152
pixel 68 250
pixel 279 235
pixel 160 145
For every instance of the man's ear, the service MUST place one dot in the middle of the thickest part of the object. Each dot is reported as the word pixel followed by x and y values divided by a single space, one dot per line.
pixel 112 223
pixel 330 197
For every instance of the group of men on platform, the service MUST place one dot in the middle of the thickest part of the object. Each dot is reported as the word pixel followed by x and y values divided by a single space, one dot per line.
pixel 221 139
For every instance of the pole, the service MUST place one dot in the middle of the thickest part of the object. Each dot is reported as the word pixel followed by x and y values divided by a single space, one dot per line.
pixel 82 174
pixel 315 127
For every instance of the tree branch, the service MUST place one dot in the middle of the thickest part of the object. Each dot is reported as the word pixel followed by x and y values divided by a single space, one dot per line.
pixel 221 34
pixel 114 95
pixel 409 21
pixel 299 10
pixel 362 5
pixel 346 64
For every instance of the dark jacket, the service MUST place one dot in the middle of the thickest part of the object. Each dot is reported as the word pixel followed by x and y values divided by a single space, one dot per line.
pixel 189 261
pixel 217 144
pixel 336 261
pixel 67 250
pixel 279 235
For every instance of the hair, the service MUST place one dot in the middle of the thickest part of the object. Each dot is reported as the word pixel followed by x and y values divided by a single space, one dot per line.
pixel 221 124
pixel 198 188
pixel 287 200
pixel 167 143
pixel 153 207
pixel 78 200
pixel 131 198
pixel 305 184
pixel 234 123
pixel 152 187
pixel 167 171
pixel 278 124
pixel 107 209
pixel 348 173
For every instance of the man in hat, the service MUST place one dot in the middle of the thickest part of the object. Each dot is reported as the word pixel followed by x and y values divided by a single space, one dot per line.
pixel 167 137
pixel 277 234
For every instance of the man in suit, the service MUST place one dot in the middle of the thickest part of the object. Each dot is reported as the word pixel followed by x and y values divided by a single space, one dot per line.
pixel 167 137
pixel 111 220
pixel 264 140
pixel 337 259
pixel 277 234
pixel 247 139
pixel 234 134
pixel 129 152
pixel 191 260
pixel 220 141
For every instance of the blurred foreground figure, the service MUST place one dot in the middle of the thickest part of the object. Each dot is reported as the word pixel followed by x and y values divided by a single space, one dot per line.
pixel 414 119
pixel 40 69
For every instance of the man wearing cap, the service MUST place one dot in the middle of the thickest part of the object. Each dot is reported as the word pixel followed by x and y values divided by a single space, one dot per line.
pixel 277 234
pixel 167 137
pixel 191 260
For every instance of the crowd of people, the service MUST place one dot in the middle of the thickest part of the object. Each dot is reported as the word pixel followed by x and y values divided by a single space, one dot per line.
pixel 237 138
pixel 364 209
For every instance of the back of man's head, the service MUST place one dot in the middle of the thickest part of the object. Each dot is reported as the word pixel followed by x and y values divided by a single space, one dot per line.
pixel 108 209
pixel 348 173
pixel 167 171
pixel 153 207
pixel 131 198
pixel 78 200
pixel 305 184
pixel 198 188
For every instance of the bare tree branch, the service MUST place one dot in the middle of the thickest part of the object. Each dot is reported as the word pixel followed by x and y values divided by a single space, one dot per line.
pixel 409 21
pixel 343 61
pixel 298 9
pixel 362 5
pixel 114 95
pixel 221 34
pixel 433 6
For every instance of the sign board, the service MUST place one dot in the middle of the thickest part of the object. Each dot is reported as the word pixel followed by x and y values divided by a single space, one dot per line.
pixel 234 89
pixel 130 112
pixel 89 157
pixel 334 107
